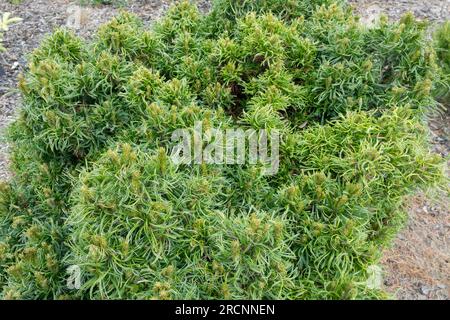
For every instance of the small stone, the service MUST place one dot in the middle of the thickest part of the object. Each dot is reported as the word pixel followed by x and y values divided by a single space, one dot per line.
pixel 425 290
pixel 388 282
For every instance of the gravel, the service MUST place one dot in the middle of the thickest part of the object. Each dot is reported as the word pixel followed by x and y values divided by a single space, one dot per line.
pixel 416 266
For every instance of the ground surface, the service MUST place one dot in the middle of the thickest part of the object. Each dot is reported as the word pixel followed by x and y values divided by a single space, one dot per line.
pixel 418 264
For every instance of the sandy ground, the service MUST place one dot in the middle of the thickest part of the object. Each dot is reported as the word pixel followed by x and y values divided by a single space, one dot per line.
pixel 418 264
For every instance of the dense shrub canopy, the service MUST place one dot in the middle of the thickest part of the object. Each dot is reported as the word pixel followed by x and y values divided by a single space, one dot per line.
pixel 95 186
pixel 442 45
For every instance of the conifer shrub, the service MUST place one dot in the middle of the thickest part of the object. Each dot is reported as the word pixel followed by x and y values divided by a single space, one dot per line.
pixel 95 186
pixel 31 228
pixel 442 39
pixel 103 2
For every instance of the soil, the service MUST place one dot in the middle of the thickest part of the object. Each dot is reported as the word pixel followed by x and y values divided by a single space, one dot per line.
pixel 417 266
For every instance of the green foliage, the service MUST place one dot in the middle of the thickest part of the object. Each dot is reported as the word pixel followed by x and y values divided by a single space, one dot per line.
pixel 326 222
pixel 95 187
pixel 442 45
pixel 31 228
pixel 5 21
pixel 70 98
